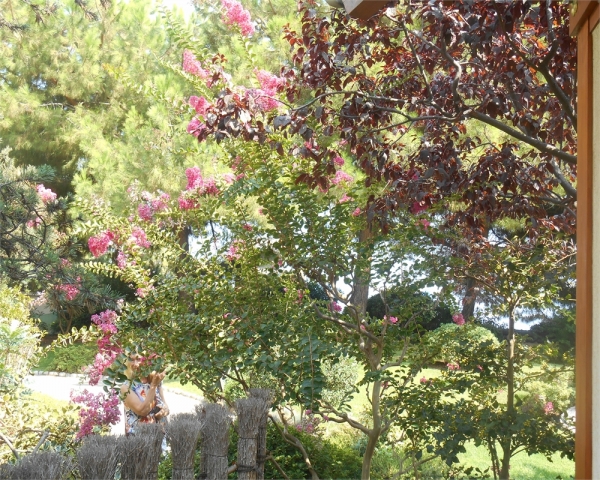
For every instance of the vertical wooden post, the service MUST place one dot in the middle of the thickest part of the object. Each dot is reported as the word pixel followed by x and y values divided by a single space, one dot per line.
pixel 261 439
pixel 583 358
pixel 214 432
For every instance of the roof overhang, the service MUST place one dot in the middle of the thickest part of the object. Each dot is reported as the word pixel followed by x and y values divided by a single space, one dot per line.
pixel 364 9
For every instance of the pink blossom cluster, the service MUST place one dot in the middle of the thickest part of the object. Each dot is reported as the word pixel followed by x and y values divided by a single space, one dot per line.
pixel 97 410
pixel 425 223
pixel 71 291
pixel 356 212
pixel 151 205
pixel 345 198
pixel 310 422
pixel 548 408
pixel 199 185
pixel 228 178
pixel 187 203
pixel 392 320
pixel 98 245
pixel 453 366
pixel 34 223
pixel 102 361
pixel 235 14
pixel 200 104
pixel 121 259
pixel 138 236
pixel 106 321
pixel 143 291
pixel 195 127
pixel 335 307
pixel 269 83
pixel 263 100
pixel 458 319
pixel 247 227
pixel 203 186
pixel 45 194
pixel 193 66
pixel 341 177
pixel 339 161
pixel 232 253
pixel 194 178
pixel 107 349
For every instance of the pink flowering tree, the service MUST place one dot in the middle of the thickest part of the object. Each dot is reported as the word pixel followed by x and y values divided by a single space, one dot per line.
pixel 223 273
pixel 235 299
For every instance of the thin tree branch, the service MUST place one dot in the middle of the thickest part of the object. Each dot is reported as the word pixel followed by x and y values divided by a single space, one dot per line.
pixel 10 445
pixel 538 144
pixel 278 467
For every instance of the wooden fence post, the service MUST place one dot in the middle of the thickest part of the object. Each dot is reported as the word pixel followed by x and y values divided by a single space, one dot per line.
pixel 141 452
pixel 250 413
pixel 183 431
pixel 261 440
pixel 98 457
pixel 215 420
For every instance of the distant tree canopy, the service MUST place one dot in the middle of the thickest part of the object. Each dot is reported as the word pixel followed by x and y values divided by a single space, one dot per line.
pixel 88 91
pixel 432 314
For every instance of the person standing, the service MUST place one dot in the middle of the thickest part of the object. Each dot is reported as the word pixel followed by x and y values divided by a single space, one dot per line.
pixel 144 399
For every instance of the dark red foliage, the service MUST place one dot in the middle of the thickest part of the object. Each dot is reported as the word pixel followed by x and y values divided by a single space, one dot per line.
pixel 462 102
pixel 434 69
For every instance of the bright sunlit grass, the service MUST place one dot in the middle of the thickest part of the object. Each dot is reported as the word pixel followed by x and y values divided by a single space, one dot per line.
pixel 188 387
pixel 45 402
pixel 523 466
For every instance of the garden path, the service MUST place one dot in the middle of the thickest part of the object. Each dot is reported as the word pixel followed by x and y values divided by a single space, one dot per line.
pixel 61 387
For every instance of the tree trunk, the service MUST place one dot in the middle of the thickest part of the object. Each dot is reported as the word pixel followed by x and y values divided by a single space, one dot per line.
pixel 362 274
pixel 510 400
pixel 360 296
pixel 505 470
pixel 468 310
pixel 374 434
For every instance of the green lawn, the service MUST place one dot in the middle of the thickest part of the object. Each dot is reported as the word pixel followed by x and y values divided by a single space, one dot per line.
pixel 188 387
pixel 45 402
pixel 523 466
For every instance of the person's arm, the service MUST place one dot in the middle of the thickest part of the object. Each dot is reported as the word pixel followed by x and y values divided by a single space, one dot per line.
pixel 164 411
pixel 142 407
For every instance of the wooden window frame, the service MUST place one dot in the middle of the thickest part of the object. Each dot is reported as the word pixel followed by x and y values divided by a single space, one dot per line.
pixel 585 15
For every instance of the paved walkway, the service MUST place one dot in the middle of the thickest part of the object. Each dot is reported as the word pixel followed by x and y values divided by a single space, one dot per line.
pixel 61 387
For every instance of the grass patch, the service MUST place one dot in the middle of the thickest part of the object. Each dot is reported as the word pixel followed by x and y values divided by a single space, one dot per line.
pixel 45 402
pixel 522 465
pixel 174 385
